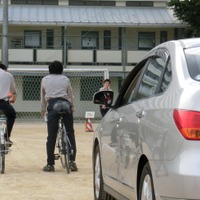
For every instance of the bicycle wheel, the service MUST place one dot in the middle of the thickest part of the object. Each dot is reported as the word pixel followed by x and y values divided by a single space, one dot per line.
pixel 64 156
pixel 2 159
pixel 60 145
pixel 60 149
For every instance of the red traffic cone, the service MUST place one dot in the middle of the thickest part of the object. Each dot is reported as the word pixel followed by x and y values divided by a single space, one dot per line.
pixel 88 126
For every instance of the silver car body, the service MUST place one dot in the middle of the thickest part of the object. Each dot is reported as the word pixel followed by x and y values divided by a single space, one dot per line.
pixel 139 130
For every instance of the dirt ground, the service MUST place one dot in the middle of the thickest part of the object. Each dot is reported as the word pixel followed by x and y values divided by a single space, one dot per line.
pixel 24 178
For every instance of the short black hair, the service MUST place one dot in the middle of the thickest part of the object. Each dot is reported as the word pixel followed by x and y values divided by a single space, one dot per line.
pixel 56 67
pixel 2 66
pixel 107 80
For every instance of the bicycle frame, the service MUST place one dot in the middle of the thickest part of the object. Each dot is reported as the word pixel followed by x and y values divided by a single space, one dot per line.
pixel 3 131
pixel 64 145
pixel 4 148
pixel 61 126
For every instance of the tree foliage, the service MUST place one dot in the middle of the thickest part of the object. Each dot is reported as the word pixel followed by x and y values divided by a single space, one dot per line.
pixel 189 12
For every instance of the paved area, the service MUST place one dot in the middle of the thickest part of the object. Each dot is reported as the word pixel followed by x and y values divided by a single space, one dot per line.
pixel 24 178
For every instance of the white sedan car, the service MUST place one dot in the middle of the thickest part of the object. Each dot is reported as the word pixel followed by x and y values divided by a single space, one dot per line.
pixel 147 147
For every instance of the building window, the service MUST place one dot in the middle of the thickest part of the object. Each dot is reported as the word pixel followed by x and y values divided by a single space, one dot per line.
pixel 91 3
pixel 35 2
pixel 163 36
pixel 146 40
pixel 17 42
pixel 139 3
pixel 50 2
pixel 32 39
pixel 107 40
pixel 18 1
pixel 50 38
pixel 90 40
pixel 86 93
pixel 31 88
pixel 180 33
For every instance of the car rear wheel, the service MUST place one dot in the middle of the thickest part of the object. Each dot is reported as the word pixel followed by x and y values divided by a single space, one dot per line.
pixel 146 189
pixel 99 193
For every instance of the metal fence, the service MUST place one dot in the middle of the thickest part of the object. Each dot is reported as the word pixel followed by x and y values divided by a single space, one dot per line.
pixel 85 82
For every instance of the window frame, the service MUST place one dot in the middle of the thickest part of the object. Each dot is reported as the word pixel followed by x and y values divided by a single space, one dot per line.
pixel 85 35
pixel 163 36
pixel 107 39
pixel 26 37
pixel 137 74
pixel 144 37
pixel 158 84
pixel 42 2
pixel 139 3
pixel 49 37
pixel 91 3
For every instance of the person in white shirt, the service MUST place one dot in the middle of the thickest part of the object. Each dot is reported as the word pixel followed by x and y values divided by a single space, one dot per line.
pixel 56 89
pixel 7 85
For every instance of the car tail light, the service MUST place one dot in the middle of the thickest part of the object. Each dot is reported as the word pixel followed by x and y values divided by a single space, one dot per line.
pixel 188 123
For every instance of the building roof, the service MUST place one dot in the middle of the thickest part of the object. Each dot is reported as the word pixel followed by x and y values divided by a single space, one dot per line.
pixel 91 16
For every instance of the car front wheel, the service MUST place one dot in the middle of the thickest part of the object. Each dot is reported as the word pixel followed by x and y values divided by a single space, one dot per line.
pixel 146 189
pixel 99 193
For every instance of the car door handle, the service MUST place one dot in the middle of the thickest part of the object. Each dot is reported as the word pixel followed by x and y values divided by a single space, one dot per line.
pixel 119 121
pixel 140 114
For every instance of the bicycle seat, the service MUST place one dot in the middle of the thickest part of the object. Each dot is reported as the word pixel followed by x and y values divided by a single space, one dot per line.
pixel 62 113
pixel 62 107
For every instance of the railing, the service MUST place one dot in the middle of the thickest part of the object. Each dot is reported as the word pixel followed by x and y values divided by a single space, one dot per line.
pixel 87 56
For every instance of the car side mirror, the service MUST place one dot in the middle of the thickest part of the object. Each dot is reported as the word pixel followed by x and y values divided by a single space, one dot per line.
pixel 104 98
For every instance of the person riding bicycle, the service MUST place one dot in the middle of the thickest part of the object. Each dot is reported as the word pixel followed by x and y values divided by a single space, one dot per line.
pixel 55 89
pixel 7 87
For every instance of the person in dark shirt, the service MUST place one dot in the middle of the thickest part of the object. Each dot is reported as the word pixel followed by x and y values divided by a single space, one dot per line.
pixel 106 87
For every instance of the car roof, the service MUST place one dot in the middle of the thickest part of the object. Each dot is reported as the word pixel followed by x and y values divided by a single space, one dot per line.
pixel 183 43
pixel 190 43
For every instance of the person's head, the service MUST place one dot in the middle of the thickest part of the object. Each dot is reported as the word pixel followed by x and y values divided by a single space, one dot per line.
pixel 2 66
pixel 107 83
pixel 56 67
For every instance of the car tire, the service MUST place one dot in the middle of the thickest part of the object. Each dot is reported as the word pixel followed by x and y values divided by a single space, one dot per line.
pixel 146 188
pixel 98 183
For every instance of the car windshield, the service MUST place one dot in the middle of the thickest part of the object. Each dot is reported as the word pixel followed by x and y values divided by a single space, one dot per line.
pixel 193 62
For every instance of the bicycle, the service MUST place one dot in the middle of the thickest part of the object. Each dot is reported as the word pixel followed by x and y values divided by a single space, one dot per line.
pixel 63 144
pixel 4 147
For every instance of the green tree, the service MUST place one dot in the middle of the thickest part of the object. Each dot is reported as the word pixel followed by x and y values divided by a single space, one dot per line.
pixel 189 12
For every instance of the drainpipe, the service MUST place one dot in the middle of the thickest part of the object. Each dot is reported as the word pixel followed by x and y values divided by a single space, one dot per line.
pixel 65 47
pixel 124 51
pixel 5 33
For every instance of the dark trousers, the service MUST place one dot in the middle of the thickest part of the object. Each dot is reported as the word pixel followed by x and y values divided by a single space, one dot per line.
pixel 52 127
pixel 103 111
pixel 10 114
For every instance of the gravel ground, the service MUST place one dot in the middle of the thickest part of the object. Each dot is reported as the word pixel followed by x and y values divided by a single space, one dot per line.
pixel 24 178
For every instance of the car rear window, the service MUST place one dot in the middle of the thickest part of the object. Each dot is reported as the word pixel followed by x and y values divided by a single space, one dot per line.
pixel 193 62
